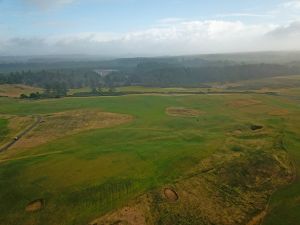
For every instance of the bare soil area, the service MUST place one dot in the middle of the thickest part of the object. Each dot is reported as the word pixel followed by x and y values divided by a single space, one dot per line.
pixel 170 195
pixel 35 205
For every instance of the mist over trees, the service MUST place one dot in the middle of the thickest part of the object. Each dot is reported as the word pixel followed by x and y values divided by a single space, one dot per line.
pixel 185 71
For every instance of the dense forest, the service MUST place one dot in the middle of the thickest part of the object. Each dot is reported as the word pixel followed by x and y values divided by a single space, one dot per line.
pixel 185 71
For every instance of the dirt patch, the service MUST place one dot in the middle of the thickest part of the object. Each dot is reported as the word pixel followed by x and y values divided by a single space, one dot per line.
pixel 71 122
pixel 256 127
pixel 183 112
pixel 35 205
pixel 244 102
pixel 170 195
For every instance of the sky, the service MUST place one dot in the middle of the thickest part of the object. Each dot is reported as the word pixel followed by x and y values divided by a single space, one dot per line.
pixel 147 28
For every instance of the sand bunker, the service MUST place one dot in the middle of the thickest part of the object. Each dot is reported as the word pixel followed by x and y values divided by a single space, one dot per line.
pixel 35 205
pixel 256 127
pixel 183 112
pixel 170 195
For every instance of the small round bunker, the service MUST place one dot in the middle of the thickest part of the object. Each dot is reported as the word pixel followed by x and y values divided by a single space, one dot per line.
pixel 35 205
pixel 170 195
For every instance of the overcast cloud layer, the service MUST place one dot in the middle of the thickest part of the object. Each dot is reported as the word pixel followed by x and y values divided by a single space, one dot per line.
pixel 168 36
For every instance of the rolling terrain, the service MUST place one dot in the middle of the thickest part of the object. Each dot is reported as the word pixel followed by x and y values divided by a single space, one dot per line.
pixel 220 158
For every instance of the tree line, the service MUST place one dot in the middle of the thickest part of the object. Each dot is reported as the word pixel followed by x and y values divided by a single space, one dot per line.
pixel 56 83
pixel 173 75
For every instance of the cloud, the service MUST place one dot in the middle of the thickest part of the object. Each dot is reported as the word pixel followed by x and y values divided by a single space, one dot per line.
pixel 286 31
pixel 291 5
pixel 171 37
pixel 288 10
pixel 46 4
pixel 183 37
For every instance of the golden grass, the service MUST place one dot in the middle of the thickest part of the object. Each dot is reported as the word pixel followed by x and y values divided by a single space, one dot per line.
pixel 244 102
pixel 279 112
pixel 211 193
pixel 15 90
pixel 135 214
pixel 16 125
pixel 67 123
pixel 183 112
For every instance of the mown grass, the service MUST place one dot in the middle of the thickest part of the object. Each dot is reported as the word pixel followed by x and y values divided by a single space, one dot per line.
pixel 92 172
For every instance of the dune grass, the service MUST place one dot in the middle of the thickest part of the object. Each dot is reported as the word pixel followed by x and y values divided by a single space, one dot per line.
pixel 3 129
pixel 15 90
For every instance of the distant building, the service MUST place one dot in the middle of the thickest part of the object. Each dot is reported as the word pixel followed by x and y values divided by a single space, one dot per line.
pixel 104 73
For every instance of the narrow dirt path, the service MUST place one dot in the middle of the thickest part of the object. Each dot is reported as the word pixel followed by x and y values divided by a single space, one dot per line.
pixel 20 135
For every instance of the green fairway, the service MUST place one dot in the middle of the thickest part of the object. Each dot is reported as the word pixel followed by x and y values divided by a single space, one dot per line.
pixel 84 175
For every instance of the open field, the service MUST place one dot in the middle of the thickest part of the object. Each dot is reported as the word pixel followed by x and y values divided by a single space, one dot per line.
pixel 116 112
pixel 280 84
pixel 62 124
pixel 232 151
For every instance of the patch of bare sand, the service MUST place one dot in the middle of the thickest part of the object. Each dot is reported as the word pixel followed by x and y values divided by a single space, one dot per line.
pixel 183 112
pixel 170 195
pixel 35 205
pixel 71 122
